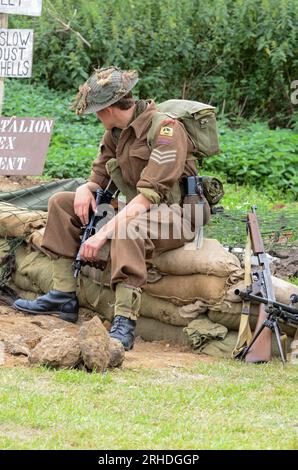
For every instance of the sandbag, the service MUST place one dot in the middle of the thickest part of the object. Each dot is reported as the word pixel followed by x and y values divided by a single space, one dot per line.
pixel 34 266
pixel 210 259
pixel 25 283
pixel 220 348
pixel 4 248
pixel 17 222
pixel 224 348
pixel 202 330
pixel 183 290
pixel 102 301
pixel 164 311
pixel 35 239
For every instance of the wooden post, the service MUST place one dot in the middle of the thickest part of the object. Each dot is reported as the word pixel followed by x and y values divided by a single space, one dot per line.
pixel 3 25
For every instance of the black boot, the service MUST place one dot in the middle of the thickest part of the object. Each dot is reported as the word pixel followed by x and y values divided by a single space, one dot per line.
pixel 64 304
pixel 123 329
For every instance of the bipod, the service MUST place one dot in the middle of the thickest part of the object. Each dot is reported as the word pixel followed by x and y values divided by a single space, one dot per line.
pixel 270 322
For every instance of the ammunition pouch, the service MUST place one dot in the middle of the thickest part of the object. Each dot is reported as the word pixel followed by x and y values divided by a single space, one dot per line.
pixel 195 204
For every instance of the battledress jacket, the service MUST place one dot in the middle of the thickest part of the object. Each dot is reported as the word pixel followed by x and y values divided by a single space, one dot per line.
pixel 152 170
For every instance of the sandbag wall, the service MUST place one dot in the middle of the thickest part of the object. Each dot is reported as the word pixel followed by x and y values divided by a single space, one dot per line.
pixel 186 282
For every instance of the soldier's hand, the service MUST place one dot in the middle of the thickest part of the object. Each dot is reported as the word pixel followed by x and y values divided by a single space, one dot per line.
pixel 82 202
pixel 90 250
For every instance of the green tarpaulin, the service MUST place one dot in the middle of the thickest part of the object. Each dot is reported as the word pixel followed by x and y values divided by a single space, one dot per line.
pixel 36 197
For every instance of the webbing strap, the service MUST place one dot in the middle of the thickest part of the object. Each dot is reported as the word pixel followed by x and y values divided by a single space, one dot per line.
pixel 244 333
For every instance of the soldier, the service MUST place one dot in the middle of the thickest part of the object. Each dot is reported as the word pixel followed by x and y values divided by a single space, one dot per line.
pixel 151 179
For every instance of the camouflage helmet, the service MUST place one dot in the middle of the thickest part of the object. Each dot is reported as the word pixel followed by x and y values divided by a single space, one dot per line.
pixel 104 87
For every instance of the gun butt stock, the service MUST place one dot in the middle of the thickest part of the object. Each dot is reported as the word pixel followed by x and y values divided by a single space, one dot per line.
pixel 261 349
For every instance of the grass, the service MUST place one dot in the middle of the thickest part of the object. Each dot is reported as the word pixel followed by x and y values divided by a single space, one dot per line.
pixel 242 197
pixel 220 405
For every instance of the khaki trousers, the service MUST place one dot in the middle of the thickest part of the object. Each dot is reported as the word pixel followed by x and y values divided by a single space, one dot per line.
pixel 135 240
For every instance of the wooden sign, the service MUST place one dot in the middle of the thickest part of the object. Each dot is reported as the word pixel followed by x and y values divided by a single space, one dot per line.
pixel 24 144
pixel 21 7
pixel 16 52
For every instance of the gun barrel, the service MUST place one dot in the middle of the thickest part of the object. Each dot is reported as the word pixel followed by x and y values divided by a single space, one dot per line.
pixel 287 308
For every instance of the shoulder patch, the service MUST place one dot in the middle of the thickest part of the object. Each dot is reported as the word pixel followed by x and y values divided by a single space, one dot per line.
pixel 167 131
pixel 163 140
pixel 168 122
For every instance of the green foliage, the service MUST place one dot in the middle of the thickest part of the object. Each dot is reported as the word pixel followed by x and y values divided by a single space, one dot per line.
pixel 259 157
pixel 240 55
pixel 252 155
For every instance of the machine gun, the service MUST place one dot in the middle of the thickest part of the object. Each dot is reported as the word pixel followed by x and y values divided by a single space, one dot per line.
pixel 260 291
pixel 102 196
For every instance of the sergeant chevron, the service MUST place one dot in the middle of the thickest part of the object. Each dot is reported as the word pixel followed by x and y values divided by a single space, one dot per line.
pixel 163 156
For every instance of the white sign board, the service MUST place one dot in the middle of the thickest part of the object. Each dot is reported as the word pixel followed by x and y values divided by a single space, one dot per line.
pixel 24 144
pixel 16 52
pixel 21 7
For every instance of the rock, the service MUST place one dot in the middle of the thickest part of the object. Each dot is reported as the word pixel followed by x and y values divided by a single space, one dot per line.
pixel 117 353
pixel 16 346
pixel 94 342
pixel 58 349
pixel 46 339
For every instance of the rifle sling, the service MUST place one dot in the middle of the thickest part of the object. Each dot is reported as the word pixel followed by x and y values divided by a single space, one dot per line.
pixel 244 333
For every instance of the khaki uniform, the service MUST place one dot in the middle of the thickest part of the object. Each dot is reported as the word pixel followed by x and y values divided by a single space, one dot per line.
pixel 152 171
pixel 157 169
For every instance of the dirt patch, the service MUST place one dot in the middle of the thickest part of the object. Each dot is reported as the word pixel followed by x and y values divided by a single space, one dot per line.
pixel 14 183
pixel 161 355
pixel 285 264
pixel 20 333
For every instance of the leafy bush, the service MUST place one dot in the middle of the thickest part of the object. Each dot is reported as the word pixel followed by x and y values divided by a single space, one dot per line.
pixel 251 155
pixel 240 55
pixel 259 157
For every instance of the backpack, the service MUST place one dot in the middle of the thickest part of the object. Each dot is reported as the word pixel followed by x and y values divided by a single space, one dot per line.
pixel 198 119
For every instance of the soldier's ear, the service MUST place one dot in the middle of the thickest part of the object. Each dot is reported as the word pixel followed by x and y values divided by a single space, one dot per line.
pixel 108 111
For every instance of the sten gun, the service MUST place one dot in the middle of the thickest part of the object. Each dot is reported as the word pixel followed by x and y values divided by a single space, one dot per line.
pixel 102 196
pixel 261 292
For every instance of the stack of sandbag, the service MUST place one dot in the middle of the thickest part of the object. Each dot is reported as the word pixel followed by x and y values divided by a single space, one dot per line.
pixel 34 273
pixel 182 283
pixel 195 275
pixel 186 281
pixel 173 299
